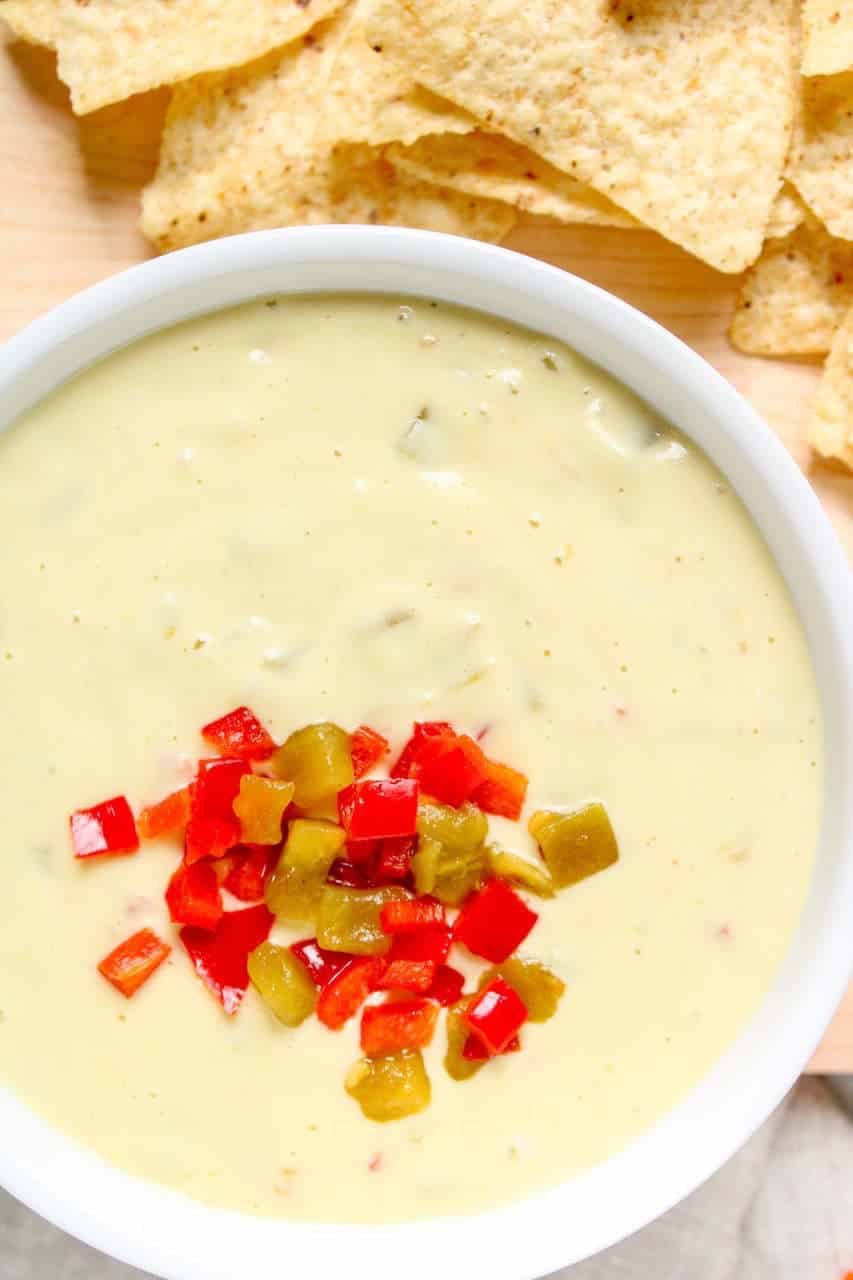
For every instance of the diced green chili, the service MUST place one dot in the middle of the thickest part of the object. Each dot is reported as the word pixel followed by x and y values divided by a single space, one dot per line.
pixel 538 987
pixel 317 761
pixel 521 872
pixel 451 859
pixel 458 1031
pixel 457 829
pixel 283 983
pixel 348 919
pixel 294 889
pixel 575 845
pixel 390 1088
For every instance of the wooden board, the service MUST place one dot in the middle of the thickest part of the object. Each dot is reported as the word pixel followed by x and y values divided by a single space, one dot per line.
pixel 69 191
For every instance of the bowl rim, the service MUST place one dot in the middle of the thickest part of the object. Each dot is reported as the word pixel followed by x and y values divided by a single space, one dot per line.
pixel 162 1231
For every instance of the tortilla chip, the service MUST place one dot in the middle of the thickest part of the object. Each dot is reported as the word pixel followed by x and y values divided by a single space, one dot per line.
pixel 797 294
pixel 786 215
pixel 831 427
pixel 110 49
pixel 679 111
pixel 828 35
pixel 240 153
pixel 821 161
pixel 370 99
pixel 344 184
pixel 487 164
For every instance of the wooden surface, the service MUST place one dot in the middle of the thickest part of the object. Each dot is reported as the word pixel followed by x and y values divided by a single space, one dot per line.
pixel 69 191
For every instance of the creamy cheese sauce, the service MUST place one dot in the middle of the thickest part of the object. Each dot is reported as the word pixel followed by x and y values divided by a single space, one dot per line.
pixel 367 511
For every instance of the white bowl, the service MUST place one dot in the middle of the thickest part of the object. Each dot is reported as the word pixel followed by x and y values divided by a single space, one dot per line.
pixel 166 1233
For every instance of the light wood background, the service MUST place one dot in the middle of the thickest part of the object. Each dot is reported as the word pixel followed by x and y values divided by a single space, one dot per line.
pixel 69 192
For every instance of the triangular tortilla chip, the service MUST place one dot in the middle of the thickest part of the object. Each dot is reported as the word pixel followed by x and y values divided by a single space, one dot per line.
pixel 677 110
pixel 821 161
pixel 110 49
pixel 831 427
pixel 370 99
pixel 240 153
pixel 787 213
pixel 487 164
pixel 828 33
pixel 795 297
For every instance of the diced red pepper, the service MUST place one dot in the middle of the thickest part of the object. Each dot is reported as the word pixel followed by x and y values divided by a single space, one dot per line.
pixel 361 852
pixel 107 827
pixel 367 748
pixel 371 863
pixel 453 772
pixel 379 810
pixel 194 896
pixel 217 786
pixel 209 838
pixel 449 766
pixel 350 874
pixel 446 985
pixel 341 998
pixel 496 1015
pixel 321 964
pixel 239 733
pixel 393 859
pixel 430 747
pixel 220 957
pixel 133 961
pixel 425 944
pixel 407 975
pixel 423 734
pixel 411 915
pixel 167 815
pixel 475 1051
pixel 493 922
pixel 502 792
pixel 403 1024
pixel 248 873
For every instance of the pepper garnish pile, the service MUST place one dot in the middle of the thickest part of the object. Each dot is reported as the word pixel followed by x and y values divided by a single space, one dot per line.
pixel 402 877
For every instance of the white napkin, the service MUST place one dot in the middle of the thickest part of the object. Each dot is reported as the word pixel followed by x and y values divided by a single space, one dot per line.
pixel 782 1209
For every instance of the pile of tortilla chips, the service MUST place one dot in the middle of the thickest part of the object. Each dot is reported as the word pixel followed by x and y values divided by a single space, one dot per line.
pixel 724 125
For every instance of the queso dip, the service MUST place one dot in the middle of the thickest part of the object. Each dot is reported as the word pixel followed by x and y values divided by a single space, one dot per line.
pixel 375 511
